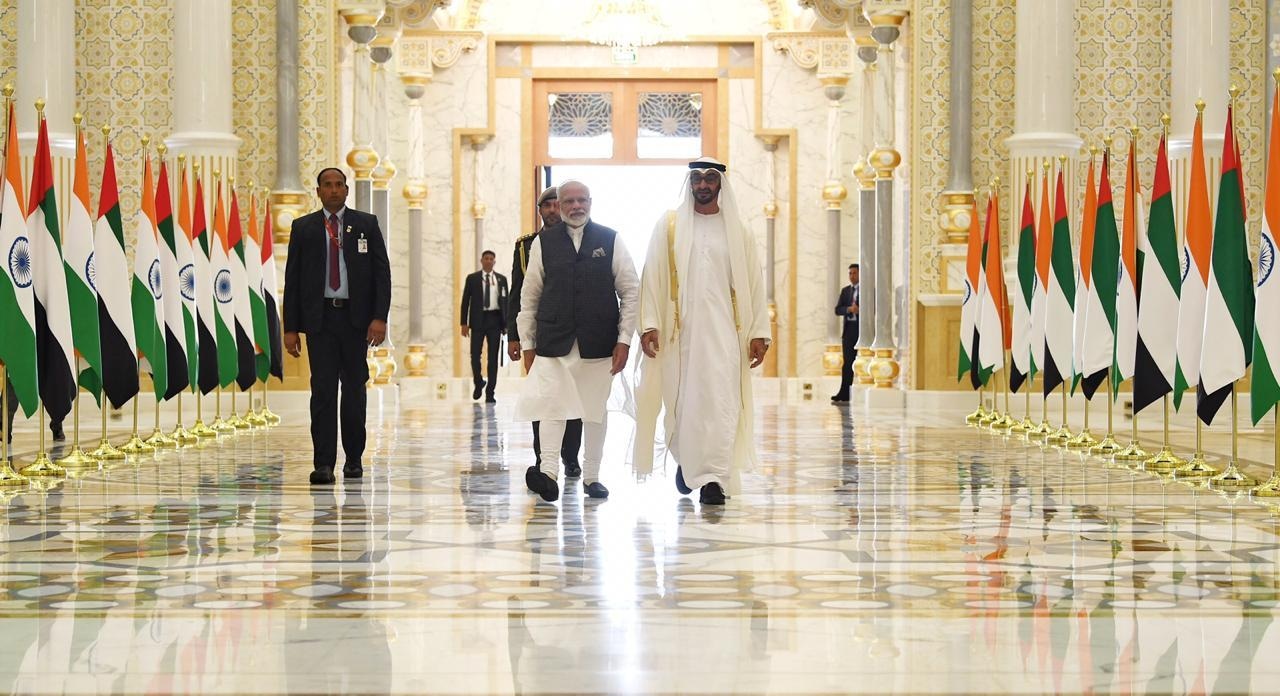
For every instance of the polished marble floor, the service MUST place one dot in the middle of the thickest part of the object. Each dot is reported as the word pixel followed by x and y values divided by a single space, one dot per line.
pixel 873 553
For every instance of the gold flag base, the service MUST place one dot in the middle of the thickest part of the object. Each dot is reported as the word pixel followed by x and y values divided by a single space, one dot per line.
pixel 1270 489
pixel 183 437
pixel 1164 461
pixel 222 427
pixel 136 445
pixel 1021 427
pixel 977 416
pixel 990 417
pixel 1132 453
pixel 1040 432
pixel 1059 437
pixel 1231 479
pixel 1003 424
pixel 1106 447
pixel 43 467
pixel 1083 440
pixel 238 422
pixel 254 420
pixel 10 478
pixel 159 440
pixel 78 459
pixel 203 431
pixel 1195 468
pixel 270 418
pixel 106 452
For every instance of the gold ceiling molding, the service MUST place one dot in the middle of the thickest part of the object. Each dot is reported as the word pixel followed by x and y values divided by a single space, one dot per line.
pixel 835 12
pixel 448 46
pixel 807 48
pixel 469 16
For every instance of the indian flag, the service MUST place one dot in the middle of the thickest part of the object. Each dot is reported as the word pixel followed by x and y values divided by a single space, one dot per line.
pixel 17 299
pixel 969 307
pixel 257 306
pixel 224 294
pixel 1084 275
pixel 77 249
pixel 993 330
pixel 274 362
pixel 1197 250
pixel 1266 317
pixel 175 334
pixel 148 288
pixel 202 286
pixel 187 279
pixel 246 363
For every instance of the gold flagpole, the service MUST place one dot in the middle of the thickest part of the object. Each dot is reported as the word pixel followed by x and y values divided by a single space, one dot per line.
pixel 1005 421
pixel 105 450
pixel 255 419
pixel 135 445
pixel 267 415
pixel 1271 489
pixel 158 439
pixel 1133 452
pixel 1084 439
pixel 220 426
pixel 1108 446
pixel 234 420
pixel 1165 460
pixel 1196 467
pixel 979 413
pixel 180 434
pixel 1040 432
pixel 43 466
pixel 76 458
pixel 1062 435
pixel 200 430
pixel 1232 478
pixel 8 477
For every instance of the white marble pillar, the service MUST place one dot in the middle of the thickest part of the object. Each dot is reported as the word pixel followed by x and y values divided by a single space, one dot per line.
pixel 770 251
pixel 1201 70
pixel 1044 103
pixel 415 195
pixel 957 199
pixel 833 195
pixel 363 158
pixel 866 176
pixel 202 91
pixel 385 171
pixel 478 207
pixel 47 70
pixel 289 196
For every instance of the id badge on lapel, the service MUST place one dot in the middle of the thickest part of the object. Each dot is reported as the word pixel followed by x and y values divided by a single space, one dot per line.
pixel 362 244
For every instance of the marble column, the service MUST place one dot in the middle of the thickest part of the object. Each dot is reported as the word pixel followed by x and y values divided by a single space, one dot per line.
pixel 47 70
pixel 380 54
pixel 1044 104
pixel 770 252
pixel 415 195
pixel 478 207
pixel 833 195
pixel 363 158
pixel 866 176
pixel 202 96
pixel 957 198
pixel 884 368
pixel 1201 70
pixel 289 198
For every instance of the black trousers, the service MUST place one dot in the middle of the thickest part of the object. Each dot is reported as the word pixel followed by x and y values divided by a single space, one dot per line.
pixel 846 370
pixel 337 356
pixel 568 449
pixel 54 424
pixel 490 330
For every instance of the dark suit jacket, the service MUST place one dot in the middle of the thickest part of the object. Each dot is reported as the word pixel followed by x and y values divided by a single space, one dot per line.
pixel 473 299
pixel 306 272
pixel 850 332
pixel 519 261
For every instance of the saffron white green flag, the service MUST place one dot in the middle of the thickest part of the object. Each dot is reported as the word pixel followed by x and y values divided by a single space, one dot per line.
pixel 54 343
pixel 1266 317
pixel 1197 250
pixel 17 299
pixel 146 294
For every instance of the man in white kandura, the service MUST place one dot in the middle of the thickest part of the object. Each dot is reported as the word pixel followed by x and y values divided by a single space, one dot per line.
pixel 705 324
pixel 577 316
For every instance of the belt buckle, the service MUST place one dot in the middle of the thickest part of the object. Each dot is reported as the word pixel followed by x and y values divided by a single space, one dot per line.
pixel 337 302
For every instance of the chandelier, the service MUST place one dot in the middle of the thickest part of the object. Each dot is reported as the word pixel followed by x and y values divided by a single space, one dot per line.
pixel 625 25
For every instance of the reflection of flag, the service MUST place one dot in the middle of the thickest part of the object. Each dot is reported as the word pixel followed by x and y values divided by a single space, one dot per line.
pixel 274 364
pixel 224 293
pixel 993 330
pixel 186 280
pixel 246 366
pixel 1062 295
pixel 175 333
pixel 253 273
pixel 17 299
pixel 1100 317
pixel 1266 317
pixel 54 344
pixel 82 297
pixel 969 308
pixel 1083 288
pixel 1024 290
pixel 202 287
pixel 1228 319
pixel 1157 354
pixel 1127 290
pixel 111 278
pixel 146 295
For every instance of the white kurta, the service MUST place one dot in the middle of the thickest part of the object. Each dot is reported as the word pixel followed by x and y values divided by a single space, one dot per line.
pixel 709 402
pixel 570 387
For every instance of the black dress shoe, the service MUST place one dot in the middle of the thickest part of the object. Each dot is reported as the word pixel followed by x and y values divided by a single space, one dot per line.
pixel 540 483
pixel 711 494
pixel 680 484
pixel 596 490
pixel 322 477
pixel 839 398
pixel 572 470
pixel 490 400
pixel 352 471
pixel 58 435
pixel 475 393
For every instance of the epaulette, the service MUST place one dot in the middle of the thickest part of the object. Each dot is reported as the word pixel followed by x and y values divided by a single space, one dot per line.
pixel 530 235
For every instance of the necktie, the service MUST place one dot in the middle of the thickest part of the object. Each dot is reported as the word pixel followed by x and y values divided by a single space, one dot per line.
pixel 335 277
pixel 487 283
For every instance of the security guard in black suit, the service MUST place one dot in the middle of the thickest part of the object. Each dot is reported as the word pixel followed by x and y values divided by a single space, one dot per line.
pixel 484 308
pixel 847 307
pixel 337 290
pixel 549 211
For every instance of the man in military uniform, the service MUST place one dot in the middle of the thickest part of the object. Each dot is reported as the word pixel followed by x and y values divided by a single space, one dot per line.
pixel 549 211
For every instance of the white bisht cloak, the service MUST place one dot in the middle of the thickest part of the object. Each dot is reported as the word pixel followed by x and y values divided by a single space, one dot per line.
pixel 658 383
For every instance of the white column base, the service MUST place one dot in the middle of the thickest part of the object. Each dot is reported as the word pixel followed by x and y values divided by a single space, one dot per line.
pixel 882 399
pixel 418 391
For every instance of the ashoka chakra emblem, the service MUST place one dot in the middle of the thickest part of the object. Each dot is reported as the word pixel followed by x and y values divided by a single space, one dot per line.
pixel 91 272
pixel 20 262
pixel 153 280
pixel 187 282
pixel 1186 263
pixel 1266 258
pixel 222 286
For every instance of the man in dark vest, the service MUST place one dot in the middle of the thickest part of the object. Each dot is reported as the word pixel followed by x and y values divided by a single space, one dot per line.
pixel 578 309
pixel 549 211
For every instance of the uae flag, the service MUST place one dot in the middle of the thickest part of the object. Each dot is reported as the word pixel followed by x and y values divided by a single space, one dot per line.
pixel 82 297
pixel 1044 261
pixel 1126 345
pixel 246 363
pixel 17 298
pixel 111 278
pixel 186 280
pixel 969 307
pixel 1104 273
pixel 993 329
pixel 202 288
pixel 1023 366
pixel 54 343
pixel 257 306
pixel 1266 319
pixel 1080 313
pixel 146 293
pixel 1157 355
pixel 1062 297
pixel 1227 346
pixel 1197 252
pixel 175 333
pixel 271 361
pixel 224 293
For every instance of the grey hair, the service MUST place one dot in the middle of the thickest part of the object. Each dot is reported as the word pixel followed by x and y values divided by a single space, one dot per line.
pixel 571 182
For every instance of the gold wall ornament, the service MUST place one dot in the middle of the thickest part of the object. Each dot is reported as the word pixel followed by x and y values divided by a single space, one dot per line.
pixel 448 47
pixel 885 160
pixel 286 206
pixel 415 360
pixel 957 212
pixel 479 210
pixel 831 11
pixel 362 160
pixel 865 174
pixel 804 47
pixel 415 192
pixel 384 173
pixel 833 194
pixel 771 209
